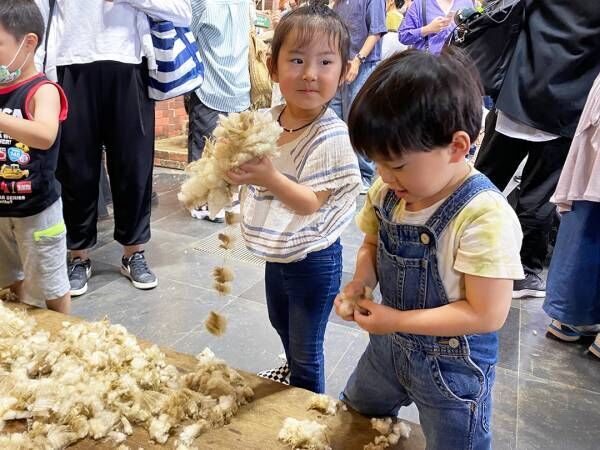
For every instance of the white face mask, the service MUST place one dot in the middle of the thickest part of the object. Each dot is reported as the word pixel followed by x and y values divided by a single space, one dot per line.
pixel 6 76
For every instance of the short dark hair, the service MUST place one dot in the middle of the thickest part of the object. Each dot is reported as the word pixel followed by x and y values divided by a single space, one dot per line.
pixel 415 101
pixel 20 17
pixel 308 20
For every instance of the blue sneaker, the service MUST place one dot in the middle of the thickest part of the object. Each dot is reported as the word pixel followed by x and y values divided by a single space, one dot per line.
pixel 570 333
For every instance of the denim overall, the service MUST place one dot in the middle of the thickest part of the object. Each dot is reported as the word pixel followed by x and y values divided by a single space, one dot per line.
pixel 449 378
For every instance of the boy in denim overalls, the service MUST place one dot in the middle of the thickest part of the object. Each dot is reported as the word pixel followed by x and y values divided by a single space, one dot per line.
pixel 443 244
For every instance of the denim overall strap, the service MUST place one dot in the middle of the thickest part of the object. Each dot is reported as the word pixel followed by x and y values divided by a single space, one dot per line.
pixel 472 187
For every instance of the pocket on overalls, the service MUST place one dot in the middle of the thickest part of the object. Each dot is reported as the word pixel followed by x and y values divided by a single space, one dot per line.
pixel 457 378
pixel 398 276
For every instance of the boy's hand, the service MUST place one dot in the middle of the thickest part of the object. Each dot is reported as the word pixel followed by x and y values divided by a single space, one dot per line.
pixel 378 319
pixel 344 302
pixel 257 171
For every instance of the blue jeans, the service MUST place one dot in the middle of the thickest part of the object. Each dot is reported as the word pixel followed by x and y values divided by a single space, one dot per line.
pixel 299 300
pixel 449 378
pixel 572 292
pixel 341 104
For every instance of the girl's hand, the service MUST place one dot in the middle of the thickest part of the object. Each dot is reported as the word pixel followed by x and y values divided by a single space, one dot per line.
pixel 378 319
pixel 353 70
pixel 257 171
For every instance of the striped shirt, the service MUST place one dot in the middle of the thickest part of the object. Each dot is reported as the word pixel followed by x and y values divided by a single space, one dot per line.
pixel 222 29
pixel 322 159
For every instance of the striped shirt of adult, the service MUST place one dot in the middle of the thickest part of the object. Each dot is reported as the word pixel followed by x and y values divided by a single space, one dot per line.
pixel 222 29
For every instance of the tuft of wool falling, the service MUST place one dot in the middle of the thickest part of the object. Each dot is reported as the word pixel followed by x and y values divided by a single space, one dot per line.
pixel 216 324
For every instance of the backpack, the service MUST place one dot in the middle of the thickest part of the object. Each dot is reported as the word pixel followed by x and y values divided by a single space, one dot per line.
pixel 489 36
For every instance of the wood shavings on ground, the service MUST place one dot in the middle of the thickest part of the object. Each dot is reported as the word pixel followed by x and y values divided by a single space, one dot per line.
pixel 304 434
pixel 389 431
pixel 216 324
pixel 324 403
pixel 238 138
pixel 94 380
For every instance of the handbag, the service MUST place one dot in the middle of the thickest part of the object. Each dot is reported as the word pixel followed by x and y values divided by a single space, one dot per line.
pixel 489 36
pixel 179 66
pixel 261 88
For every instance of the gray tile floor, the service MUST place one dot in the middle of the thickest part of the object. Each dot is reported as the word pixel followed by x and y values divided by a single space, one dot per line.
pixel 547 394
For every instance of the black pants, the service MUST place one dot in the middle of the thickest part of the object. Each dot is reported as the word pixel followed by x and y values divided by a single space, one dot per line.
pixel 203 121
pixel 499 158
pixel 108 105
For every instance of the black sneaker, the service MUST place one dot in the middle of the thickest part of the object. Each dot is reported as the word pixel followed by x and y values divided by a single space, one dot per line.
pixel 136 269
pixel 531 286
pixel 80 272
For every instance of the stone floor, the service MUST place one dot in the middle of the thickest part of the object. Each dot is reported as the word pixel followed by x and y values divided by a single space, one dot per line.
pixel 547 393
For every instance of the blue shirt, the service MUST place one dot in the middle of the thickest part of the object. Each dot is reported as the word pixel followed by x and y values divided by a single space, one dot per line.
pixel 410 30
pixel 222 29
pixel 363 18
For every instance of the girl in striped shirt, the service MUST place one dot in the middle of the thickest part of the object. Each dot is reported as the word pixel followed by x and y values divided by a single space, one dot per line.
pixel 297 205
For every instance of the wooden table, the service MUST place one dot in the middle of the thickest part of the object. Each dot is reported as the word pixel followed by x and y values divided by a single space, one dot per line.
pixel 257 424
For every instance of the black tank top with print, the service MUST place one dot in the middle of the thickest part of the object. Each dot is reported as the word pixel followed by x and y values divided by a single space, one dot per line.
pixel 28 183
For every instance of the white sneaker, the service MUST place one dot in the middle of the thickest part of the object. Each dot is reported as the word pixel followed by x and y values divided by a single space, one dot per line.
pixel 202 213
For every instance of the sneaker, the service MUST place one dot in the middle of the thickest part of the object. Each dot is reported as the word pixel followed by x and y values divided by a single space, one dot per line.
pixel 202 213
pixel 571 333
pixel 80 272
pixel 531 286
pixel 279 374
pixel 136 269
pixel 595 347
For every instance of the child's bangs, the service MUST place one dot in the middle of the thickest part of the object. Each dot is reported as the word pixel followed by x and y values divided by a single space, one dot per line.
pixel 303 32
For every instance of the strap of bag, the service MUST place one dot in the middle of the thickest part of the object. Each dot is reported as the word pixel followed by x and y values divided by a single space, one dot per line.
pixel 52 3
pixel 424 17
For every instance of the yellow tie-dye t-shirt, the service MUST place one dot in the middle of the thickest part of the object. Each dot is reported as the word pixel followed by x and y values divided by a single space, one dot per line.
pixel 484 239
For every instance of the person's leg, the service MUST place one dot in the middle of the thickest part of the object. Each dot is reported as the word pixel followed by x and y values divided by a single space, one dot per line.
pixel 499 156
pixel 11 268
pixel 454 399
pixel 574 276
pixel 374 387
pixel 535 212
pixel 202 122
pixel 128 132
pixel 43 248
pixel 312 285
pixel 278 310
pixel 61 304
pixel 367 167
pixel 80 157
pixel 336 102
